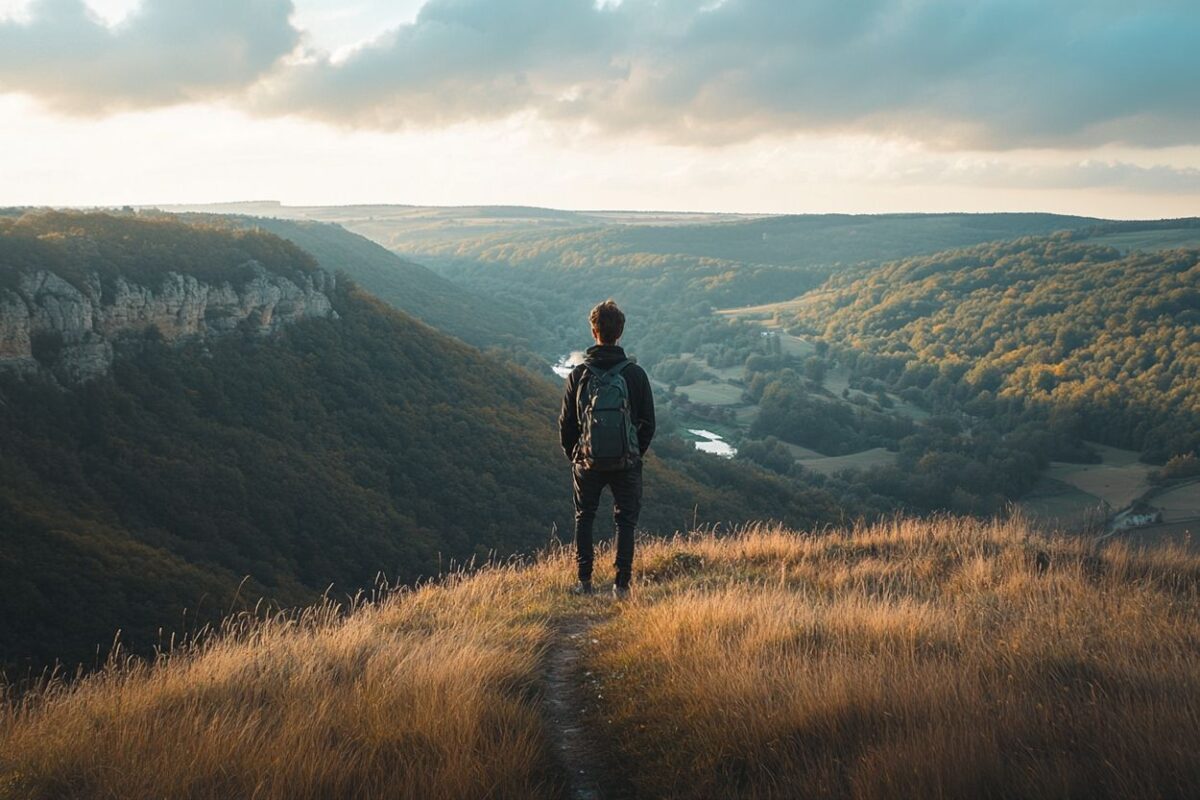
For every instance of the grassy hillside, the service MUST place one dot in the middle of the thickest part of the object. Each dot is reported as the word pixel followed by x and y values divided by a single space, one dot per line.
pixel 321 457
pixel 949 658
pixel 1166 234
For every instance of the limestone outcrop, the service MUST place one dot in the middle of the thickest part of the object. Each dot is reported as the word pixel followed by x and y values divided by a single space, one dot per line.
pixel 73 330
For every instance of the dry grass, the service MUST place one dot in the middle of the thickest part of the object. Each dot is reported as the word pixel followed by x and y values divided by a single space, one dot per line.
pixel 912 659
pixel 424 695
pixel 907 660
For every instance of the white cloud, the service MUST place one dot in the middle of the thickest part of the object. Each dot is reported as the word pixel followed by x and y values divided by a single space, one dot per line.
pixel 338 27
pixel 163 52
pixel 993 73
pixel 857 105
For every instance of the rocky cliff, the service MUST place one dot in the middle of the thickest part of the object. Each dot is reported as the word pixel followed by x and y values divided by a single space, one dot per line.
pixel 47 323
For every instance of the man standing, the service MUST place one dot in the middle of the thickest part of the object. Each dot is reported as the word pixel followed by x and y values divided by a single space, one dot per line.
pixel 606 425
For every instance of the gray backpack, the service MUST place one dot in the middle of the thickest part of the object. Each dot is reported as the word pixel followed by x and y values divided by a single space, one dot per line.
pixel 607 433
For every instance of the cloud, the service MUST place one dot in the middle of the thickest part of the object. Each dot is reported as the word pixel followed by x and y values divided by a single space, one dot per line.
pixel 460 60
pixel 985 74
pixel 165 52
pixel 990 73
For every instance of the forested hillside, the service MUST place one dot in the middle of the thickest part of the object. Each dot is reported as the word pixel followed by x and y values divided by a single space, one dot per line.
pixel 408 286
pixel 335 450
pixel 77 246
pixel 1101 343
pixel 547 267
pixel 813 239
pixel 671 276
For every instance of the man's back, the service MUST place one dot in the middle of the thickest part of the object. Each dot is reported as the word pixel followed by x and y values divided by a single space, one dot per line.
pixel 641 397
pixel 623 475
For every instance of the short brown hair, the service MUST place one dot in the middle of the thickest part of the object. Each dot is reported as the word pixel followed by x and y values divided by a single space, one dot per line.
pixel 608 321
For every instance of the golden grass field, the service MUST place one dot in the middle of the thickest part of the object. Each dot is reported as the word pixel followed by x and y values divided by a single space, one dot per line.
pixel 426 695
pixel 905 659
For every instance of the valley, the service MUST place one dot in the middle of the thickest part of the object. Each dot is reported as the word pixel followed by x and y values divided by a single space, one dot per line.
pixel 287 413
pixel 731 315
pixel 287 450
pixel 683 269
pixel 784 391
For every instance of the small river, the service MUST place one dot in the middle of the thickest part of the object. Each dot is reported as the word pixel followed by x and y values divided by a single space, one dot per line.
pixel 713 443
pixel 562 368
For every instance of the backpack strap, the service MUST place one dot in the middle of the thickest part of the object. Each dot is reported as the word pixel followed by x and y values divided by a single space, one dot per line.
pixel 613 370
pixel 616 369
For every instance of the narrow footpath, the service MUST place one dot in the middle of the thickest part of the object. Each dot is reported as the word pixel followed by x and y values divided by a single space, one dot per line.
pixel 582 755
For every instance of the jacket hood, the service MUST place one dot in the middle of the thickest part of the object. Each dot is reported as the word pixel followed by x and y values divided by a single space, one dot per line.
pixel 604 356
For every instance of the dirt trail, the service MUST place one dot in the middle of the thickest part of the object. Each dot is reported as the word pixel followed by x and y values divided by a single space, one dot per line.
pixel 581 754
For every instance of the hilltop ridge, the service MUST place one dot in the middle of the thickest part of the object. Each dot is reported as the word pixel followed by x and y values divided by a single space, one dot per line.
pixel 955 658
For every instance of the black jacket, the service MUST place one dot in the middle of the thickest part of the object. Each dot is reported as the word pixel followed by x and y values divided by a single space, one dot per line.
pixel 641 398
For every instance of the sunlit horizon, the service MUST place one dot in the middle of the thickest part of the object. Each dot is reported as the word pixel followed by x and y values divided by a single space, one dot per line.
pixel 619 105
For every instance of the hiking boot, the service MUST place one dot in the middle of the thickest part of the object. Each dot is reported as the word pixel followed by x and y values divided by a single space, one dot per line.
pixel 620 592
pixel 582 588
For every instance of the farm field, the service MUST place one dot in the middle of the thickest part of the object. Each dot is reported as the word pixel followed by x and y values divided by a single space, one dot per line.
pixel 795 346
pixel 727 373
pixel 767 311
pixel 1179 504
pixel 1115 456
pixel 837 380
pixel 1056 504
pixel 713 393
pixel 1118 480
pixel 802 453
pixel 745 415
pixel 908 409
pixel 829 465
pixel 1169 239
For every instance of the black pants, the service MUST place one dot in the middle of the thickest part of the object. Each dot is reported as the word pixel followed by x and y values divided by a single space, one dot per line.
pixel 626 488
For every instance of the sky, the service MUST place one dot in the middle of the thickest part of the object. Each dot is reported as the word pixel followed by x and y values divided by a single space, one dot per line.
pixel 783 106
